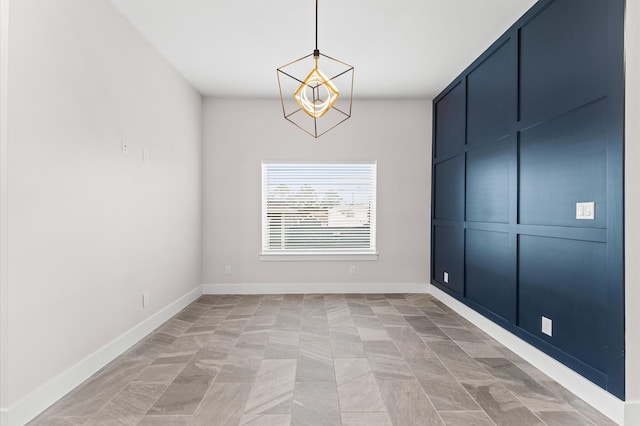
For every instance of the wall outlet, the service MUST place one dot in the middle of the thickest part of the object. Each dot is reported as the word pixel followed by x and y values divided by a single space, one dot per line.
pixel 227 270
pixel 446 277
pixel 145 300
pixel 352 269
pixel 547 326
pixel 124 146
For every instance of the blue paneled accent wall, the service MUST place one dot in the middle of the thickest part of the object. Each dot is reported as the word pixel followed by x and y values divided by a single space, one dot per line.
pixel 531 128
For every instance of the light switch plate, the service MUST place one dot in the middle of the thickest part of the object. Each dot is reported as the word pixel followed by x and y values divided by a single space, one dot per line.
pixel 586 210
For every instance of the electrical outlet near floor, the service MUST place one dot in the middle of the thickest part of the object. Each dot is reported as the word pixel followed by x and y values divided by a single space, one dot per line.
pixel 145 300
pixel 446 278
pixel 227 270
pixel 547 326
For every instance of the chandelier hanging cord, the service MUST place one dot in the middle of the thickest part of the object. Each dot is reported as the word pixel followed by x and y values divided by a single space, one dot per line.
pixel 316 53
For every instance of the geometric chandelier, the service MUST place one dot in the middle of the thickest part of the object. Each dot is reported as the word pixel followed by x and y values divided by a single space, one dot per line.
pixel 316 91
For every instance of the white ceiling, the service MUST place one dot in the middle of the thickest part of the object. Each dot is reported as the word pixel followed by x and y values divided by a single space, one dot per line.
pixel 399 48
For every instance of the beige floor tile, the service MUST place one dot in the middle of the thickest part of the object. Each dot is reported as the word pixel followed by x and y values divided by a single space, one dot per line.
pixel 339 359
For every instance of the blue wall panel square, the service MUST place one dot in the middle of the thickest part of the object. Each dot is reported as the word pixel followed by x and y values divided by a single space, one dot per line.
pixel 563 162
pixel 488 260
pixel 491 96
pixel 449 257
pixel 566 281
pixel 450 123
pixel 449 189
pixel 487 182
pixel 563 58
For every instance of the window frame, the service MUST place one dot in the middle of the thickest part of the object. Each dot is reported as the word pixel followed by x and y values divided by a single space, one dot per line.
pixel 354 254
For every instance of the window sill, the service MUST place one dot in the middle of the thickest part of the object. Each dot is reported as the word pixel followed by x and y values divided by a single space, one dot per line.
pixel 315 257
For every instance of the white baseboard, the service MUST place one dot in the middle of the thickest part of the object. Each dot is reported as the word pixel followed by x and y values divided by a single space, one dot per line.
pixel 632 413
pixel 594 395
pixel 39 400
pixel 314 288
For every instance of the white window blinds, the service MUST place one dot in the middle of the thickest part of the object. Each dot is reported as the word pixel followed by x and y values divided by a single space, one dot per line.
pixel 319 208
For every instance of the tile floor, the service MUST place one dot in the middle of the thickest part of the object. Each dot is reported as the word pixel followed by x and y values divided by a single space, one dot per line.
pixel 366 360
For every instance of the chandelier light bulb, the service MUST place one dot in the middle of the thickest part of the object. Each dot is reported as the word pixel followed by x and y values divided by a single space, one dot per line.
pixel 317 94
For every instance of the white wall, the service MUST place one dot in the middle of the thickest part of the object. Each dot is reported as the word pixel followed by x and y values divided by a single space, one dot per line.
pixel 239 134
pixel 4 329
pixel 632 204
pixel 90 230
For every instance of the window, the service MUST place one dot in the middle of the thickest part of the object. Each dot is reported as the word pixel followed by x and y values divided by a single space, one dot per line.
pixel 321 209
